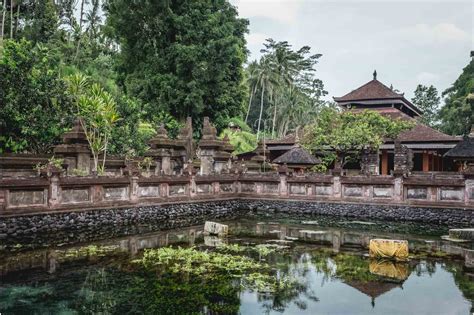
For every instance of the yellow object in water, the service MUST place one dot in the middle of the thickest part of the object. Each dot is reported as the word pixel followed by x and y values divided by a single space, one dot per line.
pixel 381 248
pixel 389 269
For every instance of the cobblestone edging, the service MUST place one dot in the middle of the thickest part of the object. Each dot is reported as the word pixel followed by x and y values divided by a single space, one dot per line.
pixel 83 226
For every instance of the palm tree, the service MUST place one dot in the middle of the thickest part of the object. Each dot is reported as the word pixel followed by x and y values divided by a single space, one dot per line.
pixel 252 79
pixel 4 13
pixel 267 81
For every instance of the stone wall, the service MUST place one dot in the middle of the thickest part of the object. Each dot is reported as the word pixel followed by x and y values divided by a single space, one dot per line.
pixel 83 226
pixel 442 216
pixel 55 193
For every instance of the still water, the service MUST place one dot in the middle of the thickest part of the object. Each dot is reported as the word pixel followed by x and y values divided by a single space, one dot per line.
pixel 323 260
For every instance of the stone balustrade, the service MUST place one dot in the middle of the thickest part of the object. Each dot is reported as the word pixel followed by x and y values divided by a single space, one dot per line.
pixel 53 193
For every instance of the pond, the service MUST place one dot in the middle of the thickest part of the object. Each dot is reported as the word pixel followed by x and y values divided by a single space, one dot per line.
pixel 267 265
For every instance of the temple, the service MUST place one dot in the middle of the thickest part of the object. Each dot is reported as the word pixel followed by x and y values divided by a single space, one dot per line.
pixel 425 146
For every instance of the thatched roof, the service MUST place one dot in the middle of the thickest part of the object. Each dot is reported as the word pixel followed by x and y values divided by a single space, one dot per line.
pixel 297 156
pixel 463 150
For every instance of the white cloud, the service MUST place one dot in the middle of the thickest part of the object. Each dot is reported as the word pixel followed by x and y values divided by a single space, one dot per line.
pixel 283 11
pixel 427 78
pixel 256 39
pixel 434 34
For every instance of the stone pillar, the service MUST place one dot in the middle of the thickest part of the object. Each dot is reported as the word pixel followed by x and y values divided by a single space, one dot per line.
pixel 192 186
pixel 207 161
pixel 208 146
pixel 192 237
pixel 161 148
pixel 336 241
pixel 133 246
pixel 337 187
pixel 54 194
pixel 469 258
pixel 215 188
pixel 164 190
pixel 51 261
pixel 134 188
pixel 369 163
pixel 84 162
pixel 75 150
pixel 283 185
pixel 166 162
pixel 403 159
pixel 398 189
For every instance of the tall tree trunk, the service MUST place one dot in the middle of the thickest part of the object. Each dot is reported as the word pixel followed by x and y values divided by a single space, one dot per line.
pixel 250 102
pixel 81 14
pixel 4 14
pixel 261 111
pixel 17 18
pixel 11 18
pixel 274 116
pixel 105 154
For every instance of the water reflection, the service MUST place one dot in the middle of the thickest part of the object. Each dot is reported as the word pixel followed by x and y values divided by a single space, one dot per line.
pixel 326 265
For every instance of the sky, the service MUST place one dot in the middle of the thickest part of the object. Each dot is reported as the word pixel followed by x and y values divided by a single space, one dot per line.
pixel 407 42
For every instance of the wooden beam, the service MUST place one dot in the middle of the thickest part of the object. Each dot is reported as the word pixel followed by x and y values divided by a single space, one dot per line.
pixel 384 169
pixel 426 162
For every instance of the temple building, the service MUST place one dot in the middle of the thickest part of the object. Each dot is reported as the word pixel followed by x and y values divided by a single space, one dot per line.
pixel 463 153
pixel 426 146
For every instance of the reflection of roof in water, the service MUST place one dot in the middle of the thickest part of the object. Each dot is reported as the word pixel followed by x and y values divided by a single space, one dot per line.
pixel 373 288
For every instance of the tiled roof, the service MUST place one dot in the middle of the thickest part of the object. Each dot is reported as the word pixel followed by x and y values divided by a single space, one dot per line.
pixel 297 155
pixel 289 139
pixel 376 90
pixel 371 90
pixel 419 133
pixel 464 149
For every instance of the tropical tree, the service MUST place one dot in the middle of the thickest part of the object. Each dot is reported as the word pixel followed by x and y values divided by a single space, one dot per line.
pixel 266 82
pixel 240 136
pixel 457 113
pixel 427 99
pixel 35 109
pixel 288 79
pixel 343 135
pixel 96 110
pixel 182 57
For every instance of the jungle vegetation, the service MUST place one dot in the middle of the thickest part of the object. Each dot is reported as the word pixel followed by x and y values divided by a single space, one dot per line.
pixel 160 62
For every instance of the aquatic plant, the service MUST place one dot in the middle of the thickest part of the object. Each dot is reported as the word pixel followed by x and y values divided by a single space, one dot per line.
pixel 210 264
pixel 264 250
pixel 90 251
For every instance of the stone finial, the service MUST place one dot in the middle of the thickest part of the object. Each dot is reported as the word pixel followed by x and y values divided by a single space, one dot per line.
pixel 227 146
pixel 375 74
pixel 161 132
pixel 76 134
pixel 209 132
pixel 187 130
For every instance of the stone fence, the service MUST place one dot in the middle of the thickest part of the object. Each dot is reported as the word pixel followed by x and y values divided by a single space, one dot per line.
pixel 56 193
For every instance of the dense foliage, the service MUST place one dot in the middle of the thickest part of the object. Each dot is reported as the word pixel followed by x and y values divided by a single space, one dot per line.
pixel 183 57
pixel 427 99
pixel 457 114
pixel 36 109
pixel 283 89
pixel 161 61
pixel 343 135
pixel 97 114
